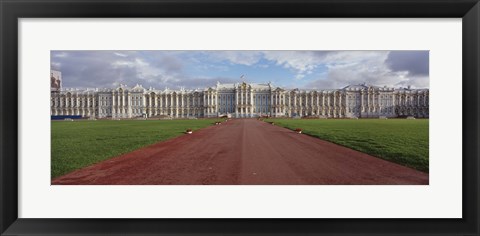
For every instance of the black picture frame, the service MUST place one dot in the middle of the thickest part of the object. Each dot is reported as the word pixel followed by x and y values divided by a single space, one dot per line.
pixel 11 11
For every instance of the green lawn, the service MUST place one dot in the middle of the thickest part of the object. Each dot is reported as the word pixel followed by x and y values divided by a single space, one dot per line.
pixel 398 140
pixel 79 144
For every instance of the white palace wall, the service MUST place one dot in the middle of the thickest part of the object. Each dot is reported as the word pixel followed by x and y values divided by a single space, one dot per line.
pixel 242 100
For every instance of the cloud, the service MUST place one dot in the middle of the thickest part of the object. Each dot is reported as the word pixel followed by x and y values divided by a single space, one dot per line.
pixel 120 54
pixel 200 82
pixel 194 69
pixel 415 62
pixel 373 68
pixel 59 54
pixel 107 69
pixel 303 63
pixel 170 64
pixel 246 58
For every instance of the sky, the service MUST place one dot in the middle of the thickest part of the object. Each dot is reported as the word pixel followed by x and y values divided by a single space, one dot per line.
pixel 202 69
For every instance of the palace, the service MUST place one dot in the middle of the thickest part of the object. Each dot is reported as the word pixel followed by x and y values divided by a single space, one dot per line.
pixel 241 100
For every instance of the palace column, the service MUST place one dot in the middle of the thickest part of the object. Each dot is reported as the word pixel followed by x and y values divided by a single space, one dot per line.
pixel 281 105
pixel 369 101
pixel 171 105
pixel 240 101
pixel 202 104
pixel 328 105
pixel 188 105
pixel 295 103
pixel 361 101
pixel 113 104
pixel 275 103
pixel 205 102
pixel 209 103
pixel 117 102
pixel 143 104
pixel 311 103
pixel 88 104
pixel 236 102
pixel 347 106
pixel 71 104
pixel 119 111
pixel 393 103
pixel 271 104
pixel 300 103
pixel 150 105
pixel 334 104
pixel 93 105
pixel 153 104
pixel 288 106
pixel 372 101
pixel 339 104
pixel 176 105
pixel 216 103
pixel 127 106
pixel 323 103
pixel 278 103
pixel 185 105
pixel 252 102
pixel 65 104
pixel 123 109
pixel 156 104
pixel 181 105
pixel 82 105
pixel 160 104
pixel 165 104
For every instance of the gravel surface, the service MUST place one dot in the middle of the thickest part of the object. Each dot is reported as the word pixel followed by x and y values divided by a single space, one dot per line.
pixel 244 151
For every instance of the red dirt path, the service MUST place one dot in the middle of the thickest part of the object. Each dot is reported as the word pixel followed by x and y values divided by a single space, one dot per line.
pixel 244 151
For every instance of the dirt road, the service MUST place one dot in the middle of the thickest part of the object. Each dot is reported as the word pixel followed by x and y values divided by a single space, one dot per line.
pixel 244 151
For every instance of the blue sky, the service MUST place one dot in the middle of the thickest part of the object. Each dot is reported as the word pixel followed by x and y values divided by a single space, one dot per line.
pixel 200 69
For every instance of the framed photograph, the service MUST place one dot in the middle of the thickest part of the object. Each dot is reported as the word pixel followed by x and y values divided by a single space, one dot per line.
pixel 228 117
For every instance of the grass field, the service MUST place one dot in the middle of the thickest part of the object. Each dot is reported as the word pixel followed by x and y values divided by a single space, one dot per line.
pixel 82 143
pixel 398 140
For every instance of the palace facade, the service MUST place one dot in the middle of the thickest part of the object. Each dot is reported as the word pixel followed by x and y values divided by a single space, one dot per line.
pixel 241 100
